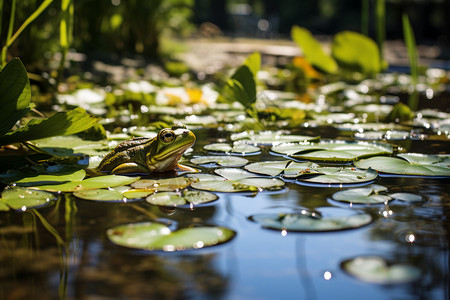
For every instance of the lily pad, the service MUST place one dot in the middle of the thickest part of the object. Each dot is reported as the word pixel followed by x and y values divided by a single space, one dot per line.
pixel 179 199
pixel 222 160
pixel 332 151
pixel 398 166
pixel 48 179
pixel 90 183
pixel 234 180
pixel 339 219
pixel 20 198
pixel 152 236
pixel 107 195
pixel 441 160
pixel 337 176
pixel 270 137
pixel 287 168
pixel 237 148
pixel 407 197
pixel 376 269
pixel 162 185
pixel 366 195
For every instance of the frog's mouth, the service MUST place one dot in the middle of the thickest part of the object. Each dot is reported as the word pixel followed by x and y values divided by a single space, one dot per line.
pixel 177 153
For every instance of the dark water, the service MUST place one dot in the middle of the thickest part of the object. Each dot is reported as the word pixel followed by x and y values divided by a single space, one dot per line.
pixel 257 264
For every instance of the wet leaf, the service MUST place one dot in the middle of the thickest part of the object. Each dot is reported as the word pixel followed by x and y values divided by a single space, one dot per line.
pixel 100 195
pixel 338 220
pixel 332 176
pixel 270 137
pixel 288 169
pixel 332 151
pixel 48 179
pixel 222 160
pixel 178 199
pixel 366 195
pixel 407 197
pixel 90 183
pixel 20 198
pixel 376 269
pixel 398 166
pixel 155 236
pixel 162 185
pixel 237 148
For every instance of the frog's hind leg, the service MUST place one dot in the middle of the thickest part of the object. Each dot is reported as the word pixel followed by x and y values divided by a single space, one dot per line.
pixel 131 167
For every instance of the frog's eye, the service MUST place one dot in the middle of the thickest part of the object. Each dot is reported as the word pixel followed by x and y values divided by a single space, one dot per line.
pixel 167 136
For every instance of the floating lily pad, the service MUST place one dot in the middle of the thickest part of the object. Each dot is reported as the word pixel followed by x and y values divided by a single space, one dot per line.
pixel 48 179
pixel 137 193
pixel 336 176
pixel 234 180
pixel 237 148
pixel 155 236
pixel 162 185
pixel 20 198
pixel 100 195
pixel 339 219
pixel 178 199
pixel 69 145
pixel 222 160
pixel 332 151
pixel 398 166
pixel 407 197
pixel 376 269
pixel 441 160
pixel 271 137
pixel 90 183
pixel 289 169
pixel 366 195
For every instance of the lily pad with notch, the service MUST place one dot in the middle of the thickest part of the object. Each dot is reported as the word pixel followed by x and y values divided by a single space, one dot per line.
pixel 328 219
pixel 365 195
pixel 238 148
pixel 222 160
pixel 21 198
pixel 152 236
pixel 337 176
pixel 190 198
pixel 287 168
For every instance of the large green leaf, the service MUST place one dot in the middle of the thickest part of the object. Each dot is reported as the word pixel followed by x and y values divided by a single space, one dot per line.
pixel 62 123
pixel 15 94
pixel 242 86
pixel 312 50
pixel 356 52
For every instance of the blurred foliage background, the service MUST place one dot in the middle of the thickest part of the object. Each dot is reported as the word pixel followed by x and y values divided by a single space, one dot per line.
pixel 139 27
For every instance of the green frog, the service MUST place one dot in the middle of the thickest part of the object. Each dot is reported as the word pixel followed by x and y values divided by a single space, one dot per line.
pixel 144 155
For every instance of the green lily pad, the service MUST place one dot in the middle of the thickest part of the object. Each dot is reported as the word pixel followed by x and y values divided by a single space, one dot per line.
pixel 407 197
pixel 100 195
pixel 222 160
pixel 441 160
pixel 20 198
pixel 48 179
pixel 155 236
pixel 337 176
pixel 366 195
pixel 398 166
pixel 270 137
pixel 179 199
pixel 137 193
pixel 237 148
pixel 340 219
pixel 69 145
pixel 289 169
pixel 376 269
pixel 234 180
pixel 90 183
pixel 162 185
pixel 332 151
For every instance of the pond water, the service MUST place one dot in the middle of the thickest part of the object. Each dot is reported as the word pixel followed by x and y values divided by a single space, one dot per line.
pixel 258 263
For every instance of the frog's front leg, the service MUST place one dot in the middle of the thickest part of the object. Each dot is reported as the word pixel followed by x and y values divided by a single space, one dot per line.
pixel 130 167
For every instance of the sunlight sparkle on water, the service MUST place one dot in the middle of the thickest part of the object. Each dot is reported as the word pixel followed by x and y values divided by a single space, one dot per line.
pixel 410 238
pixel 327 275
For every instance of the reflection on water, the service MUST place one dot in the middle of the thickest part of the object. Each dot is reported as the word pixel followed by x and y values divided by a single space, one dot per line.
pixel 62 250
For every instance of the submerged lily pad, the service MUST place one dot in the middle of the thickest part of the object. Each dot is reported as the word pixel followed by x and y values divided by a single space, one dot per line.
pixel 376 269
pixel 236 148
pixel 332 176
pixel 332 151
pixel 366 195
pixel 338 220
pixel 90 183
pixel 234 180
pixel 271 137
pixel 20 198
pixel 222 160
pixel 156 236
pixel 398 166
pixel 178 199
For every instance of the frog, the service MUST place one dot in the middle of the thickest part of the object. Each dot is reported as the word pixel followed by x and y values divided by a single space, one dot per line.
pixel 149 155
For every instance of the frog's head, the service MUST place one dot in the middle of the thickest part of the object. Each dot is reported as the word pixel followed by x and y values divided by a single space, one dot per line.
pixel 168 147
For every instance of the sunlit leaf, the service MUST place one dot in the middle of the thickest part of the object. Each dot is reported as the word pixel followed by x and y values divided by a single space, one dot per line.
pixel 49 179
pixel 366 195
pixel 270 137
pixel 222 160
pixel 407 197
pixel 376 269
pixel 237 148
pixel 100 195
pixel 155 236
pixel 162 185
pixel 19 198
pixel 178 199
pixel 332 176
pixel 99 182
